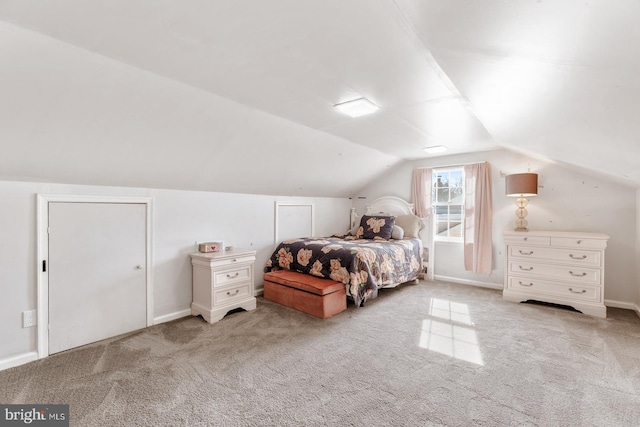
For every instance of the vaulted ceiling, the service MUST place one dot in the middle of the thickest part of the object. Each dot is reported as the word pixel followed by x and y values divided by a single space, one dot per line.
pixel 238 95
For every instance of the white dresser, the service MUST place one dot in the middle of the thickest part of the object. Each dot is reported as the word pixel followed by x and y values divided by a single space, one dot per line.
pixel 558 267
pixel 222 281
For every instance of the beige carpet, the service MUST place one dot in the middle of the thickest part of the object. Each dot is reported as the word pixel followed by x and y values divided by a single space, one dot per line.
pixel 419 355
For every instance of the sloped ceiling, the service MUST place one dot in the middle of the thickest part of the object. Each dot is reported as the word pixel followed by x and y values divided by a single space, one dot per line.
pixel 238 95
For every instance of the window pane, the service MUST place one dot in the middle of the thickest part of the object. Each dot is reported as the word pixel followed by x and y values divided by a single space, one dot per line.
pixel 443 195
pixel 456 196
pixel 455 230
pixel 455 179
pixel 455 211
pixel 442 180
pixel 442 228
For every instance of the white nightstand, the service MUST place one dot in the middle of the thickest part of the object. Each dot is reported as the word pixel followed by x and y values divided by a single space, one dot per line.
pixel 222 281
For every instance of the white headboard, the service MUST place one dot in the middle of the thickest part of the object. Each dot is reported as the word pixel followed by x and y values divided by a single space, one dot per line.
pixel 390 205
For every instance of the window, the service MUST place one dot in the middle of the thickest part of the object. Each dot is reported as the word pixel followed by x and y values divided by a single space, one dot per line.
pixel 448 204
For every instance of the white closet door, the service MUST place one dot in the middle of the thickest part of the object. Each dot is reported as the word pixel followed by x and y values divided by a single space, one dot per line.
pixel 97 272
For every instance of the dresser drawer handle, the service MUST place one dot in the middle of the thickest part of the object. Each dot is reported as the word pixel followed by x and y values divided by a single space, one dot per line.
pixel 231 294
pixel 577 275
pixel 584 291
pixel 526 253
pixel 525 269
pixel 234 260
pixel 578 241
pixel 524 284
pixel 234 276
pixel 577 257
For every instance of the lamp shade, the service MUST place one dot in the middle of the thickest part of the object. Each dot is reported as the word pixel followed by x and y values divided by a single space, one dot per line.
pixel 522 184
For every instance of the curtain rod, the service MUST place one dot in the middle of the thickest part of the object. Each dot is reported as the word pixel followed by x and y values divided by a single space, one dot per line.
pixel 451 166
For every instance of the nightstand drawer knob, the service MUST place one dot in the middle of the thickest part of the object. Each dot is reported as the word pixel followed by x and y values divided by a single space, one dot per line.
pixel 577 257
pixel 525 269
pixel 524 284
pixel 583 291
pixel 234 293
pixel 229 276
pixel 526 253
pixel 577 274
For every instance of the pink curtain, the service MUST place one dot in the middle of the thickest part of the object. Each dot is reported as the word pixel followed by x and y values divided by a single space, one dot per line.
pixel 421 192
pixel 477 218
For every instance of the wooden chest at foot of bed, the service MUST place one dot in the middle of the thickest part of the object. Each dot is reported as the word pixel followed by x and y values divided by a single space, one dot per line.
pixel 321 298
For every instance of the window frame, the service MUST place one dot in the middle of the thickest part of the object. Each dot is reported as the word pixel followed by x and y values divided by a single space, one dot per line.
pixel 435 204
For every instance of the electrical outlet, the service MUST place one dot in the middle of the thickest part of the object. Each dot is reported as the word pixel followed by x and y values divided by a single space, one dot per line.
pixel 29 318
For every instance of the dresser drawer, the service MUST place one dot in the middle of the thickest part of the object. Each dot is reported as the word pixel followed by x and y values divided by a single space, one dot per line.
pixel 565 291
pixel 231 293
pixel 578 243
pixel 218 262
pixel 565 273
pixel 232 275
pixel 528 240
pixel 232 261
pixel 557 256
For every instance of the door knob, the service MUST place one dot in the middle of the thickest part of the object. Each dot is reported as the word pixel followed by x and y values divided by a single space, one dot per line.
pixel 139 267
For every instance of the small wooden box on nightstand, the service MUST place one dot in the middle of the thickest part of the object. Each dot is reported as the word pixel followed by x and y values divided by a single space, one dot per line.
pixel 222 281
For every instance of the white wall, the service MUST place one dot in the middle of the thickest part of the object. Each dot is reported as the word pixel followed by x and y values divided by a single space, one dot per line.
pixel 637 301
pixel 567 200
pixel 180 218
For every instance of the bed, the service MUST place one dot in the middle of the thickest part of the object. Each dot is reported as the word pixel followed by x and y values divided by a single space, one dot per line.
pixel 374 254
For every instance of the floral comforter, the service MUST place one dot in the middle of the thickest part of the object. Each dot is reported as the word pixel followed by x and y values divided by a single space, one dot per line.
pixel 363 265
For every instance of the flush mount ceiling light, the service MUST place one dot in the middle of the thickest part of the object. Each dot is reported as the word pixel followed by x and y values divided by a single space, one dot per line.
pixel 356 107
pixel 435 149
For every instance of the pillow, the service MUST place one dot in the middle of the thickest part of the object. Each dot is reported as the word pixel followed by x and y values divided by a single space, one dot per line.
pixel 410 224
pixel 377 226
pixel 397 233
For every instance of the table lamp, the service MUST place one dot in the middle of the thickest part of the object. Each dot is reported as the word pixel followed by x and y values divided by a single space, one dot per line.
pixel 522 185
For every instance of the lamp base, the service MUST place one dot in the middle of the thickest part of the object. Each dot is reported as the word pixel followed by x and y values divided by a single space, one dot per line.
pixel 521 213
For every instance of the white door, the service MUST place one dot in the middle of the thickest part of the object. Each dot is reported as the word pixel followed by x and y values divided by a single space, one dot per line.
pixel 97 272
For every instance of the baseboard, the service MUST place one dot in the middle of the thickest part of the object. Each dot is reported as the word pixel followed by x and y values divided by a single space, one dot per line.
pixel 172 316
pixel 624 305
pixel 21 359
pixel 621 304
pixel 469 282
